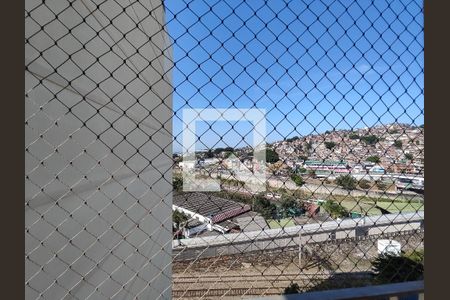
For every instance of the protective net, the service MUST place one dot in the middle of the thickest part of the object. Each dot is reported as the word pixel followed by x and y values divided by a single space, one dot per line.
pixel 219 149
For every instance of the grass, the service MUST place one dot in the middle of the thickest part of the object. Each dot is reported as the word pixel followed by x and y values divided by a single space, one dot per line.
pixel 287 222
pixel 401 206
pixel 367 205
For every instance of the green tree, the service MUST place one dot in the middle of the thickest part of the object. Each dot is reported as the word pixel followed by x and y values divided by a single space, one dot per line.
pixel 335 209
pixel 271 155
pixel 266 208
pixel 370 139
pixel 178 218
pixel 292 139
pixel 308 145
pixel 353 136
pixel 289 202
pixel 409 156
pixel 177 183
pixel 347 182
pixel 398 144
pixel 330 145
pixel 374 158
pixel 303 157
pixel 391 269
pixel 297 179
pixel 209 153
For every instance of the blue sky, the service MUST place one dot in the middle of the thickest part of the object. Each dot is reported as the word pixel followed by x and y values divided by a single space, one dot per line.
pixel 313 68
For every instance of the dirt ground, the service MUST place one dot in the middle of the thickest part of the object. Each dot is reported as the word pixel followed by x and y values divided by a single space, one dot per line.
pixel 345 264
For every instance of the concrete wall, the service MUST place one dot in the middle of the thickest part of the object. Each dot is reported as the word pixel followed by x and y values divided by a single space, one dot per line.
pixel 98 214
pixel 290 237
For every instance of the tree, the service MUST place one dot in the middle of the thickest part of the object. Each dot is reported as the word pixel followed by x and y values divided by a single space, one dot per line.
pixel 297 179
pixel 289 202
pixel 347 182
pixel 330 145
pixel 303 157
pixel 353 136
pixel 178 218
pixel 177 183
pixel 292 139
pixel 398 144
pixel 266 208
pixel 209 153
pixel 308 145
pixel 409 156
pixel 374 158
pixel 293 288
pixel 271 155
pixel 391 269
pixel 370 139
pixel 335 209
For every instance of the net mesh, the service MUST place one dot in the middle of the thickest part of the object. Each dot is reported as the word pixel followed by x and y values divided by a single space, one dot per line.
pixel 107 87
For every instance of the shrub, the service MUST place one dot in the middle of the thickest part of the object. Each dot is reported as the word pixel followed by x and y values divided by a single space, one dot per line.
pixel 354 136
pixel 266 208
pixel 364 184
pixel 330 145
pixel 347 182
pixel 297 179
pixel 370 139
pixel 392 269
pixel 271 155
pixel 177 183
pixel 375 159
pixel 409 156
pixel 293 288
pixel 398 144
pixel 335 209
pixel 178 218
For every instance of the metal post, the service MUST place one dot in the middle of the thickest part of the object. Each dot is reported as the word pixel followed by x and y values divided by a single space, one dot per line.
pixel 300 248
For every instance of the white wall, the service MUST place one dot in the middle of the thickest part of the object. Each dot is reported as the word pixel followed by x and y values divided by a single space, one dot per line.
pixel 79 242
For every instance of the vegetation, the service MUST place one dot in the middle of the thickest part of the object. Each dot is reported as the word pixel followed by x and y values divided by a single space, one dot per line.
pixel 308 145
pixel 178 218
pixel 297 179
pixel 409 156
pixel 290 203
pixel 282 223
pixel 209 153
pixel 330 145
pixel 393 131
pixel 302 170
pixel 335 209
pixel 370 139
pixel 347 182
pixel 364 184
pixel 391 269
pixel 292 139
pixel 227 149
pixel 398 144
pixel 381 185
pixel 266 208
pixel 177 183
pixel 271 155
pixel 232 182
pixel 293 288
pixel 375 159
pixel 303 157
pixel 353 136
